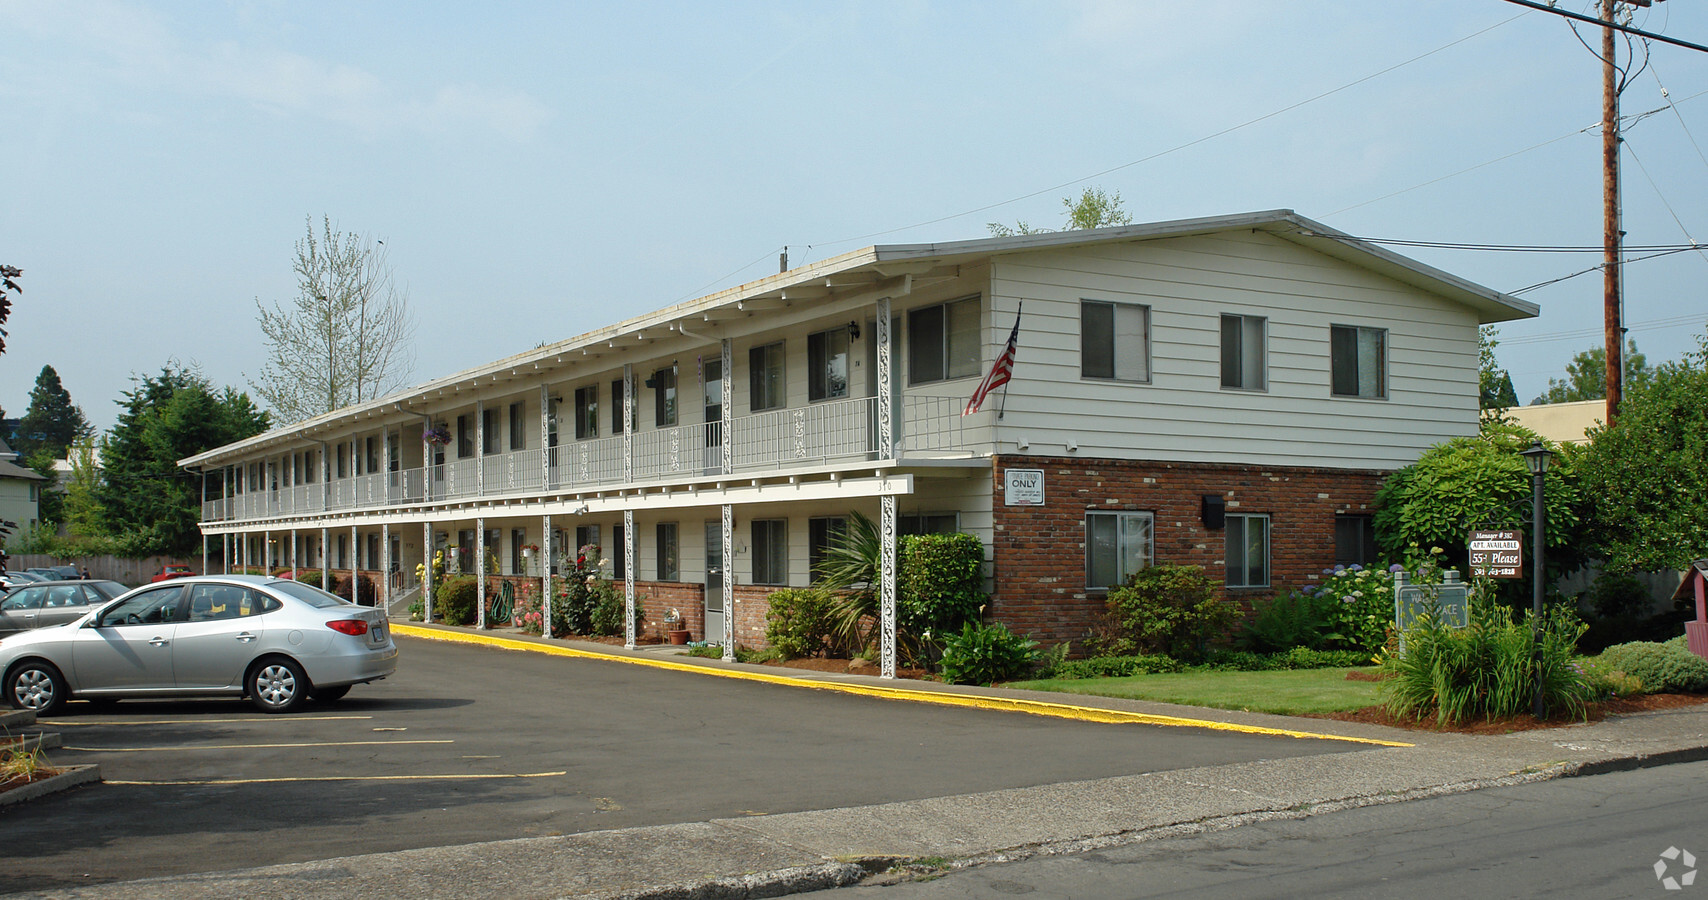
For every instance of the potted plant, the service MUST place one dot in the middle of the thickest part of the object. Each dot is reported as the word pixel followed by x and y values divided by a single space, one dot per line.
pixel 674 629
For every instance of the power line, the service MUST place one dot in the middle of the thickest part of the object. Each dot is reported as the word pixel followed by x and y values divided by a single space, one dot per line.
pixel 1605 24
pixel 1177 148
pixel 1649 325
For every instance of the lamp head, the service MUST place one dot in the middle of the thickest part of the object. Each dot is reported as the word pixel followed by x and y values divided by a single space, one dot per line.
pixel 1536 457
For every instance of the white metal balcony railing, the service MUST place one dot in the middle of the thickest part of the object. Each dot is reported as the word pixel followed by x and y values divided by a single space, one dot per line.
pixel 821 434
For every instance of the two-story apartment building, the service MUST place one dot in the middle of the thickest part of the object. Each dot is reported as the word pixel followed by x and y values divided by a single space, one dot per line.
pixel 1223 391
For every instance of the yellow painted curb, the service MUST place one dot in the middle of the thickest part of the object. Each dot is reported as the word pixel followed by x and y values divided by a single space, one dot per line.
pixel 976 701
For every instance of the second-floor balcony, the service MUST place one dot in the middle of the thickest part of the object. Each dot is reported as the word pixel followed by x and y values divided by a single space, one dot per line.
pixel 775 441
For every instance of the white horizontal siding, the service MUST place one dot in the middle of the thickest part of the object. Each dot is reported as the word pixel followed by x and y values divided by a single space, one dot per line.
pixel 1183 414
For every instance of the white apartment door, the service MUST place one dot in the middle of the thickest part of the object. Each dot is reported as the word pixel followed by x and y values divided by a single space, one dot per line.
pixel 714 582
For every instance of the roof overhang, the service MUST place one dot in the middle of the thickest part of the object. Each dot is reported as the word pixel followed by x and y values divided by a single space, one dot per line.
pixel 894 269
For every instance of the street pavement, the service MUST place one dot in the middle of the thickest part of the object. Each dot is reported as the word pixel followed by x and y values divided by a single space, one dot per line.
pixel 720 786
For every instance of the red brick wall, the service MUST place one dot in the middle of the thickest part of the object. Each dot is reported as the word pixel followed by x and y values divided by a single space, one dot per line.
pixel 689 599
pixel 1039 552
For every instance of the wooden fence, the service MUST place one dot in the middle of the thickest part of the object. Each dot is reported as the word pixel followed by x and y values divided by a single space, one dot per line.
pixel 125 571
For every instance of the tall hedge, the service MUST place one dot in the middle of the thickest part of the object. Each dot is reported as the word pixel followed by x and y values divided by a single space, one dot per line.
pixel 940 583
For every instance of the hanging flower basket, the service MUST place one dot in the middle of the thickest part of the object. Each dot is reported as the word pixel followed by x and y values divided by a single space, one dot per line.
pixel 436 434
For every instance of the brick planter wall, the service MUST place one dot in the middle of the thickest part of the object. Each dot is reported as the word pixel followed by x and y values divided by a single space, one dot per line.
pixel 1038 570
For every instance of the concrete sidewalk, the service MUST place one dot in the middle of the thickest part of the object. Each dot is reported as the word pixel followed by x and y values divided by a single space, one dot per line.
pixel 767 856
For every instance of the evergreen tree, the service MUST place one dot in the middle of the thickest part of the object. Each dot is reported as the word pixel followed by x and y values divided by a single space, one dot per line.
pixel 145 499
pixel 1493 382
pixel 1586 376
pixel 52 421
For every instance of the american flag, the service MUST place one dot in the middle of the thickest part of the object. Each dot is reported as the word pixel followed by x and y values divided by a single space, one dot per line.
pixel 999 371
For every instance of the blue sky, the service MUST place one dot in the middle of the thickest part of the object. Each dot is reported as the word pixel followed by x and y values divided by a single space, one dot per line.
pixel 538 170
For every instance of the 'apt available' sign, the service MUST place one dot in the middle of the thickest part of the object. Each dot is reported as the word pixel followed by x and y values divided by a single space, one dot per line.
pixel 1497 554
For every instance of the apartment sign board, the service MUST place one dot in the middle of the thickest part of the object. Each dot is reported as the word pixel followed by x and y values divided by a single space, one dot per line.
pixel 1023 487
pixel 1497 554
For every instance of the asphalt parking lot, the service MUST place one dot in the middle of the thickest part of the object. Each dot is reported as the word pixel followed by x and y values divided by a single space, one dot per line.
pixel 469 744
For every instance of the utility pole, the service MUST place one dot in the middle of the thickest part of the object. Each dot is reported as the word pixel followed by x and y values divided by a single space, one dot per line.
pixel 1612 236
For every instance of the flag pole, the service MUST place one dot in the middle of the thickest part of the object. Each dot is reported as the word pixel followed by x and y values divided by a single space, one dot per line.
pixel 1002 406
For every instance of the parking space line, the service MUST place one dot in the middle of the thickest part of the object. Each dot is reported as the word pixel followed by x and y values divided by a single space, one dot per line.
pixel 943 698
pixel 63 723
pixel 220 781
pixel 175 748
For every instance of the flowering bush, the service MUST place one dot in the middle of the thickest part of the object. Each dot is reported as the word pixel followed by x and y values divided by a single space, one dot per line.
pixel 577 595
pixel 1360 606
pixel 529 614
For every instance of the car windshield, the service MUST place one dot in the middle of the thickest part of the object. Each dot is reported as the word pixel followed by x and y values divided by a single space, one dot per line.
pixel 109 589
pixel 313 596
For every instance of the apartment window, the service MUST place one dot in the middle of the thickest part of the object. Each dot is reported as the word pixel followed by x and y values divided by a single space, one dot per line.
pixel 928 523
pixel 372 445
pixel 669 553
pixel 489 429
pixel 664 397
pixel 1359 361
pixel 465 551
pixel 586 536
pixel 1117 546
pixel 587 412
pixel 1247 551
pixel 1354 540
pixel 1114 341
pixel 770 551
pixel 822 532
pixel 465 436
pixel 617 407
pixel 1242 352
pixel 373 551
pixel 827 364
pixel 619 554
pixel 943 341
pixel 494 546
pixel 518 564
pixel 518 427
pixel 765 377
pixel 391 450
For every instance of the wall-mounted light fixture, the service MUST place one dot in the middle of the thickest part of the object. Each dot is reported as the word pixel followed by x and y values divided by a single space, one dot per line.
pixel 853 331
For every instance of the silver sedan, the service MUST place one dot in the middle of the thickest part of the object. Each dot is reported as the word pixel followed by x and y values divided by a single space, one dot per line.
pixel 275 641
pixel 53 603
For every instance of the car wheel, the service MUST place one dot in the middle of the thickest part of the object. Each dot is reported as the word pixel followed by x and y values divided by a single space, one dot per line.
pixel 328 695
pixel 277 685
pixel 37 686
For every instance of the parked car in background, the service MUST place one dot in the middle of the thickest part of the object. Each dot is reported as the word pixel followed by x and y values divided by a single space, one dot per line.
pixel 172 570
pixel 67 572
pixel 53 603
pixel 17 579
pixel 277 642
pixel 44 573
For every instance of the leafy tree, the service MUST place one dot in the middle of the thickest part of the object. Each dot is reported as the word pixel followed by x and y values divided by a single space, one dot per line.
pixel 1586 376
pixel 52 421
pixel 82 512
pixel 143 495
pixel 346 338
pixel 1482 483
pixel 1093 209
pixel 1647 476
pixel 9 276
pixel 1493 382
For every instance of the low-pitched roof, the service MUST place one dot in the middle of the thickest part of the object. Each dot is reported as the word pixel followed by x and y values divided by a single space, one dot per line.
pixel 878 263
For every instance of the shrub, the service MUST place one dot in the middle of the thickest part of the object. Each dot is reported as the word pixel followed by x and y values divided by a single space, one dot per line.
pixel 1293 619
pixel 939 582
pixel 312 578
pixel 528 614
pixel 1166 609
pixel 454 600
pixel 986 654
pixel 576 596
pixel 364 593
pixel 1486 669
pixel 1361 608
pixel 608 606
pixel 798 621
pixel 1660 668
pixel 1116 666
pixel 1294 658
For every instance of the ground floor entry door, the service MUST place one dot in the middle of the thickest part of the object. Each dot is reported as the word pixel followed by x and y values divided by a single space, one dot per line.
pixel 715 581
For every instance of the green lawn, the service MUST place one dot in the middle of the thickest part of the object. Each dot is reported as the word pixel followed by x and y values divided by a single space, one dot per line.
pixel 1287 692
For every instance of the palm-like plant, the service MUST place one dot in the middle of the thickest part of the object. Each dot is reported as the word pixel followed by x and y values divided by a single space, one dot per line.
pixel 851 569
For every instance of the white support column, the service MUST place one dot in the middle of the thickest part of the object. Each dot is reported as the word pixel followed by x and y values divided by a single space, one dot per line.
pixel 427 570
pixel 886 392
pixel 546 555
pixel 225 554
pixel 385 566
pixel 887 586
pixel 629 578
pixel 726 421
pixel 204 534
pixel 385 467
pixel 545 449
pixel 480 451
pixel 204 554
pixel 325 484
pixel 294 556
pixel 729 548
pixel 480 571
pixel 355 555
pixel 427 480
pixel 629 434
pixel 325 557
